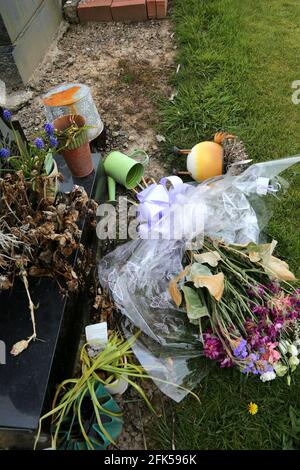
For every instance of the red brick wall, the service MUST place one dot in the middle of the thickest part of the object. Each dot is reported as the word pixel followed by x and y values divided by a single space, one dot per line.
pixel 121 10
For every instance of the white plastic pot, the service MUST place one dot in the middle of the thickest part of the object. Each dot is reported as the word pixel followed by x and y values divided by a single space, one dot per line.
pixel 119 386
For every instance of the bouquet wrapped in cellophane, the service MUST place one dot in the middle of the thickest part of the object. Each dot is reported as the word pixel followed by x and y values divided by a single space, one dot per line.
pixel 200 281
pixel 247 310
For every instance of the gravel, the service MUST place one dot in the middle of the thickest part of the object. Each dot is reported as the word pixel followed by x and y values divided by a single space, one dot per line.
pixel 127 66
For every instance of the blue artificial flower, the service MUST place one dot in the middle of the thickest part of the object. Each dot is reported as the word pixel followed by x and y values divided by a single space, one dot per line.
pixel 39 143
pixel 53 141
pixel 4 153
pixel 49 128
pixel 7 115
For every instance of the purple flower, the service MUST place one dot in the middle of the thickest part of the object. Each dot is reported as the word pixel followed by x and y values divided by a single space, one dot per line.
pixel 263 366
pixel 251 293
pixel 257 366
pixel 4 153
pixel 260 310
pixel 261 291
pixel 39 143
pixel 258 291
pixel 226 362
pixel 274 287
pixel 250 367
pixel 213 348
pixel 293 315
pixel 7 115
pixel 53 141
pixel 49 128
pixel 272 332
pixel 240 350
pixel 295 300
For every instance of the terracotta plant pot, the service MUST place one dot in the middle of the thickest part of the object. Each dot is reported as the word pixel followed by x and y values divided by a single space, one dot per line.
pixel 78 153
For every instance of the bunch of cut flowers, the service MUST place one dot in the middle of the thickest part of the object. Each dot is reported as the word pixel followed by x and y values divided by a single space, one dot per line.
pixel 246 305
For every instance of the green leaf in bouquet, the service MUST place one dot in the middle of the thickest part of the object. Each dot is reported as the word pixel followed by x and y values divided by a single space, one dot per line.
pixel 194 306
pixel 198 269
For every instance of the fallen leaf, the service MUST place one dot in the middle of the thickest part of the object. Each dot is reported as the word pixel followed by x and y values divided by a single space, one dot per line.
pixel 210 257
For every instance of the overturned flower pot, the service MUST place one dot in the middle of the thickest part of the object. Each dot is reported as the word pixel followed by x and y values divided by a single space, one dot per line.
pixel 73 137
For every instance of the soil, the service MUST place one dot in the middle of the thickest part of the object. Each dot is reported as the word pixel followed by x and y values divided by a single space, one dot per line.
pixel 127 67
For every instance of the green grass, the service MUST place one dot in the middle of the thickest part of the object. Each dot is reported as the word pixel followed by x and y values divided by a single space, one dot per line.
pixel 222 420
pixel 238 61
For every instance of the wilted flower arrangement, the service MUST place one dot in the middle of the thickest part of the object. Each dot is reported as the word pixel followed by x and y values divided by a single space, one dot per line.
pixel 39 230
pixel 247 309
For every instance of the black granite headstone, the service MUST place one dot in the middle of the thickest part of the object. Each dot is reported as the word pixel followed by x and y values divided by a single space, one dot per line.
pixel 26 381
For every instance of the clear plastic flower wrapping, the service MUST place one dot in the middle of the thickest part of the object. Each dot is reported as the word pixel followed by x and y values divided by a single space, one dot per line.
pixel 137 273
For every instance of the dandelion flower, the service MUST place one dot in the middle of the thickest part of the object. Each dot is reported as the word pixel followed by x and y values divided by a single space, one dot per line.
pixel 252 408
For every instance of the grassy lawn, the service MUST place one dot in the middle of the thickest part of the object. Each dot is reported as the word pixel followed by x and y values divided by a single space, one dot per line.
pixel 238 61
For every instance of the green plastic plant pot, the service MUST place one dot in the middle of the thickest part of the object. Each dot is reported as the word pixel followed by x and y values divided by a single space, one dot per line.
pixel 70 435
pixel 123 169
pixel 111 184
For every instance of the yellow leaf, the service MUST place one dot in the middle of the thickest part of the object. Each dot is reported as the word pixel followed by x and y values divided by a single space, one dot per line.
pixel 215 284
pixel 278 268
pixel 173 288
pixel 273 266
pixel 254 256
pixel 262 251
pixel 210 257
pixel 175 292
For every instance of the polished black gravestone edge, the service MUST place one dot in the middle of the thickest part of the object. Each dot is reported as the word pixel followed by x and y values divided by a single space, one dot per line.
pixel 26 381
